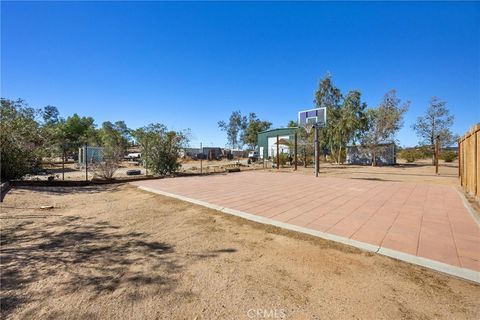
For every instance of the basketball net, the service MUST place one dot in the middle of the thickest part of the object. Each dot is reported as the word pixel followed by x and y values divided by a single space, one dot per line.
pixel 308 127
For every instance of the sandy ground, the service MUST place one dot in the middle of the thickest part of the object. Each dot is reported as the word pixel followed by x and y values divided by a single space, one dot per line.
pixel 72 172
pixel 117 252
pixel 420 171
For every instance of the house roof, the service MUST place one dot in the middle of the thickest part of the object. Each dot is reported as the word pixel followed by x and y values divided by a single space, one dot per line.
pixel 278 129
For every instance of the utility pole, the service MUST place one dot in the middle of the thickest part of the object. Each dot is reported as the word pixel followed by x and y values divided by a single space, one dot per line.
pixel 318 153
pixel 201 157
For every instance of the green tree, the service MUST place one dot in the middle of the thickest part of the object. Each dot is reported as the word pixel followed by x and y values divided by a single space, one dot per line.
pixel 435 123
pixel 348 124
pixel 328 96
pixel 51 131
pixel 62 137
pixel 234 128
pixel 50 115
pixel 76 131
pixel 346 117
pixel 21 141
pixel 292 124
pixel 384 122
pixel 161 148
pixel 116 135
pixel 254 126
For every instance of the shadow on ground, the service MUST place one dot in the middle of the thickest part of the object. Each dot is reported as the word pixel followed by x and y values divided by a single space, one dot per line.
pixel 59 170
pixel 374 179
pixel 64 190
pixel 78 254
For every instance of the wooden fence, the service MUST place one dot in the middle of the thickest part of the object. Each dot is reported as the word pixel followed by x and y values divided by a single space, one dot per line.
pixel 469 161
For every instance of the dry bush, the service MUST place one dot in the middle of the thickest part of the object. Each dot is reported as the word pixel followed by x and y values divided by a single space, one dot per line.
pixel 109 164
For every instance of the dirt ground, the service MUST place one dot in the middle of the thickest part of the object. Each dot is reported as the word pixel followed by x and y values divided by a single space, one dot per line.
pixel 419 171
pixel 73 172
pixel 117 252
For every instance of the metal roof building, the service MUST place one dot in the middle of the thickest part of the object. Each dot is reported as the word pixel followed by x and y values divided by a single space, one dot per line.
pixel 266 141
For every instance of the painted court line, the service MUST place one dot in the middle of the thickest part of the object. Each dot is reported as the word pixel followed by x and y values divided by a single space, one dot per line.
pixel 421 261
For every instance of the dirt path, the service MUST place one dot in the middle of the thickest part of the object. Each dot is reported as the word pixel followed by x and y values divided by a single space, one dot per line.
pixel 117 252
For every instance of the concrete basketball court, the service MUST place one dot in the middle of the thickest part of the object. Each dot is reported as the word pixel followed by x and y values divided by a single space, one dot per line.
pixel 426 224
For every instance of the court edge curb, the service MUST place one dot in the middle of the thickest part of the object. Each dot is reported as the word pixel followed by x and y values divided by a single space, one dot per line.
pixel 463 273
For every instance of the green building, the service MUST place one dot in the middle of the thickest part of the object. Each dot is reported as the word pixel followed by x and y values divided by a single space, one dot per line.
pixel 267 141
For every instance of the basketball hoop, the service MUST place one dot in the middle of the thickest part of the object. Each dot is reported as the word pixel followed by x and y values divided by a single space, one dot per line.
pixel 309 119
pixel 308 127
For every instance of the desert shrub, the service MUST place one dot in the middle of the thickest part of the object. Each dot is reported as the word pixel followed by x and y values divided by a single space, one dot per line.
pixel 424 152
pixel 283 159
pixel 114 139
pixel 448 156
pixel 410 155
pixel 307 160
pixel 161 148
pixel 305 155
pixel 109 164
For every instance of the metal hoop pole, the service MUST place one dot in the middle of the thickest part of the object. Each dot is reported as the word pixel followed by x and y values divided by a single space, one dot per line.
pixel 316 151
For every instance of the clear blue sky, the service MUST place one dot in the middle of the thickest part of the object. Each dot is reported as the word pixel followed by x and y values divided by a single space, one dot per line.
pixel 188 65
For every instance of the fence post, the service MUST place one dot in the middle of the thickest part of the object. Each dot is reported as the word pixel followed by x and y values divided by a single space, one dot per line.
pixel 460 161
pixel 63 164
pixel 263 158
pixel 317 156
pixel 278 153
pixel 86 162
pixel 475 168
pixel 437 153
